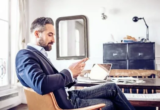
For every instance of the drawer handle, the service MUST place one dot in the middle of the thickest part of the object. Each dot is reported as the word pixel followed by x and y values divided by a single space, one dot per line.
pixel 114 54
pixel 140 54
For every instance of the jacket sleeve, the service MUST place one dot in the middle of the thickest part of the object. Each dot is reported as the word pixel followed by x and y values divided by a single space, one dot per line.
pixel 30 72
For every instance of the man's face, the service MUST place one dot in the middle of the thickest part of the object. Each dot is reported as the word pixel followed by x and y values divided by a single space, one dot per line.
pixel 46 38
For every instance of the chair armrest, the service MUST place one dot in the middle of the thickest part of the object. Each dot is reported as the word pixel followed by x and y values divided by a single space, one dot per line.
pixel 93 107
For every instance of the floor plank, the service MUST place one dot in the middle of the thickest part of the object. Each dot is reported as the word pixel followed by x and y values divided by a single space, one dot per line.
pixel 20 107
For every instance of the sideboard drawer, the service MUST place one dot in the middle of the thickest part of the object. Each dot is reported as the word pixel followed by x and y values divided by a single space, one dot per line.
pixel 114 51
pixel 141 64
pixel 141 51
pixel 117 64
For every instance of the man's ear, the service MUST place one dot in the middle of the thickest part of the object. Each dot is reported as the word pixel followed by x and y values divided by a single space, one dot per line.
pixel 36 33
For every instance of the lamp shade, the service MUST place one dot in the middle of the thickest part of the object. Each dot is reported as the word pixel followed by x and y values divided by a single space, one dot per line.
pixel 135 18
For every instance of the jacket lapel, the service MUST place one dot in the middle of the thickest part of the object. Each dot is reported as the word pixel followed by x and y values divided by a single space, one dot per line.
pixel 39 53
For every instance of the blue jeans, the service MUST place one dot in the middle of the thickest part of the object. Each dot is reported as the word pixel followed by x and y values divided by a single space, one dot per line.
pixel 108 93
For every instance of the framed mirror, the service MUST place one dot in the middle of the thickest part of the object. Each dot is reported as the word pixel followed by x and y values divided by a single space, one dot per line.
pixel 71 37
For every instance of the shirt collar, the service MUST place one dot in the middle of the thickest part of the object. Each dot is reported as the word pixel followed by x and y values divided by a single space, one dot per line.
pixel 39 48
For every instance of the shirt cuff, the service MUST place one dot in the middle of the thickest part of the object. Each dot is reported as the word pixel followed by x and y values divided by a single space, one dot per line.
pixel 71 74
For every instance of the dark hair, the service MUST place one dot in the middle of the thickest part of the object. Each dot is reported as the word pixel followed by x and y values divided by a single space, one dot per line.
pixel 40 23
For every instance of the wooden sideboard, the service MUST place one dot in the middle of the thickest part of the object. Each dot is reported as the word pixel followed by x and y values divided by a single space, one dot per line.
pixel 130 56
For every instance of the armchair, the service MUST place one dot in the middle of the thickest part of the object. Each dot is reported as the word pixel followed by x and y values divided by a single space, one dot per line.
pixel 48 102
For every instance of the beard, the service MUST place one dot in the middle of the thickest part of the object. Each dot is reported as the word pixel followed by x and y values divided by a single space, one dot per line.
pixel 47 47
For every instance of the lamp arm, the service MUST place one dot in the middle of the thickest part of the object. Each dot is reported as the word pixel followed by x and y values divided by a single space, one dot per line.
pixel 145 23
pixel 147 31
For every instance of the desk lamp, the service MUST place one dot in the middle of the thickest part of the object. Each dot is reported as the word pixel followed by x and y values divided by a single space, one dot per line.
pixel 135 19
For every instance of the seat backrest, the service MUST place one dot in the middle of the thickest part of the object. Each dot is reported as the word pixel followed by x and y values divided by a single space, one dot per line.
pixel 138 74
pixel 134 72
pixel 40 102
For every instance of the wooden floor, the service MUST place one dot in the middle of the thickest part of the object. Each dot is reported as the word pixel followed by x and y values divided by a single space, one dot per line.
pixel 20 107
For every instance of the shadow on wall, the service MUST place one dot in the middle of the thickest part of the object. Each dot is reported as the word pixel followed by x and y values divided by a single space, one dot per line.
pixel 157 46
pixel 114 11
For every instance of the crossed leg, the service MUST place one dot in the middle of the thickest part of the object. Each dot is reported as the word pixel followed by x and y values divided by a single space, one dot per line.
pixel 108 93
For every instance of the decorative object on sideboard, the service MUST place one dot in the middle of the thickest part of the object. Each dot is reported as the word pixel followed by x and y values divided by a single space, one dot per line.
pixel 135 19
pixel 103 15
pixel 129 39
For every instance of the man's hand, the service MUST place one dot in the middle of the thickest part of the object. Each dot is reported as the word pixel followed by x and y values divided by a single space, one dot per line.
pixel 77 67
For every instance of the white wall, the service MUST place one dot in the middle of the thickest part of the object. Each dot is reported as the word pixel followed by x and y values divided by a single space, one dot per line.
pixel 36 9
pixel 119 22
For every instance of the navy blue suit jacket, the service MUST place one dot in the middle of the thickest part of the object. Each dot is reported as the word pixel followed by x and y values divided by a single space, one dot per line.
pixel 34 70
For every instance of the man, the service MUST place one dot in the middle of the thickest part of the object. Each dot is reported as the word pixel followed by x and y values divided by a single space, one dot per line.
pixel 34 70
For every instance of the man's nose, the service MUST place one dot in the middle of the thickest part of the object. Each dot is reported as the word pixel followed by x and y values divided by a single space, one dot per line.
pixel 53 39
